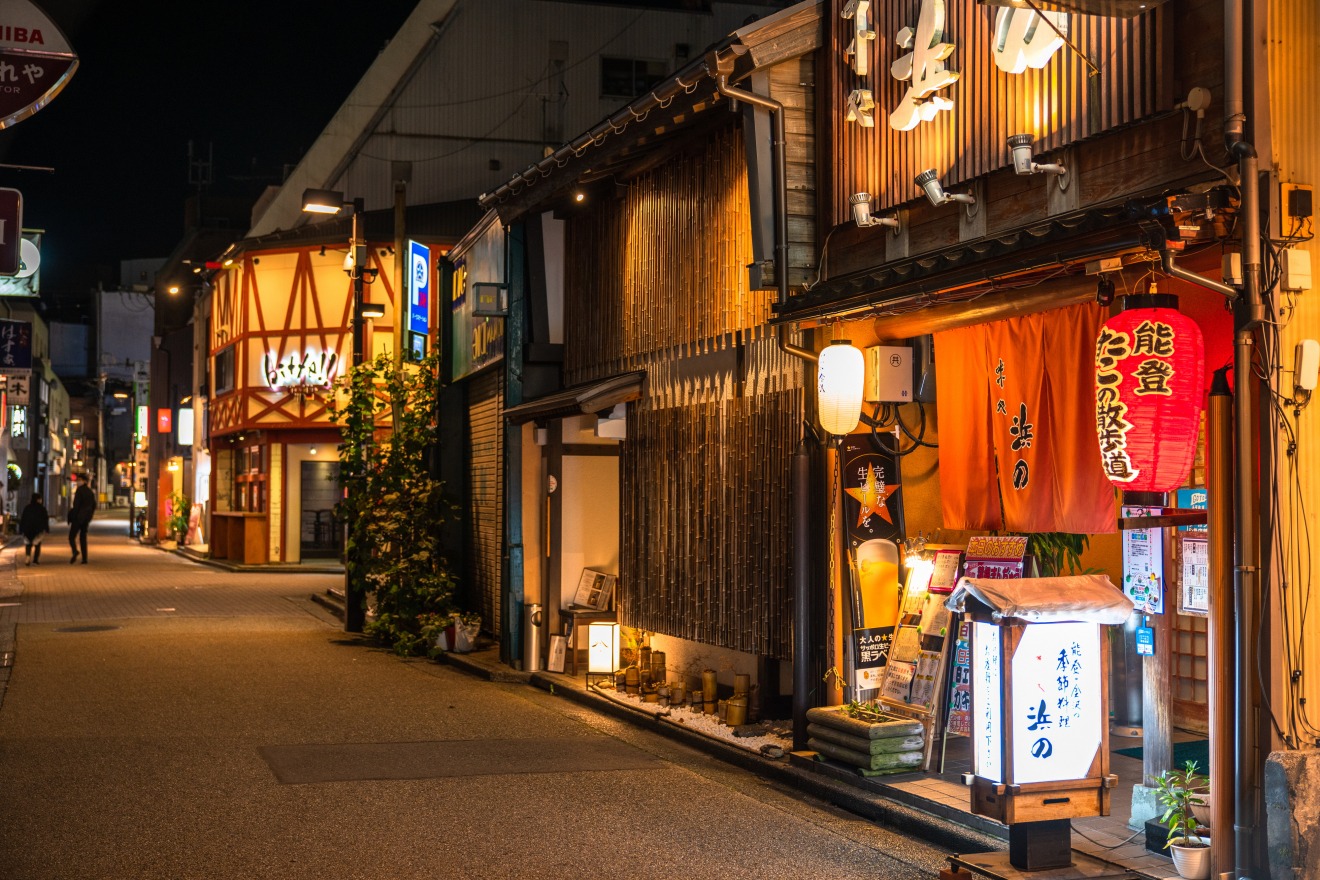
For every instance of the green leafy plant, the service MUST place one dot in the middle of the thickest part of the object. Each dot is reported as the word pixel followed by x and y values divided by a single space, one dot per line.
pixel 395 510
pixel 180 514
pixel 1058 553
pixel 1178 791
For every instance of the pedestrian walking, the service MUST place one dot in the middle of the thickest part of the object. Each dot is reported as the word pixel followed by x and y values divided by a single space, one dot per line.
pixel 33 524
pixel 80 517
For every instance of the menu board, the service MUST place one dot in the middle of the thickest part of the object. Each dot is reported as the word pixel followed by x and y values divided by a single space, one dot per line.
pixel 1143 564
pixel 1195 586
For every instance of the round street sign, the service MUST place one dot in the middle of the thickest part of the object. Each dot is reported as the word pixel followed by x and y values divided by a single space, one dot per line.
pixel 35 61
pixel 29 259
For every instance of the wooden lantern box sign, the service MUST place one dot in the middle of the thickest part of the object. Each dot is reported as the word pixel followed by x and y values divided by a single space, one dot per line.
pixel 1040 707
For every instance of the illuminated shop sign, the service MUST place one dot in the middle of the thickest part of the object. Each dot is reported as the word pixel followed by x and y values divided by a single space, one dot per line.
pixel 1056 702
pixel 310 369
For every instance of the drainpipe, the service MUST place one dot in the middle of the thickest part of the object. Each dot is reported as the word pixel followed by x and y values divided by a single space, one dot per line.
pixel 1249 314
pixel 719 67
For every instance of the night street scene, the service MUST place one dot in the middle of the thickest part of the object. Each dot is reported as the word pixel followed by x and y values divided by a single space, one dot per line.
pixel 647 440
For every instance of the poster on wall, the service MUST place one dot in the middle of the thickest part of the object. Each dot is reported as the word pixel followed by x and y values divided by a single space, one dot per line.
pixel 1143 563
pixel 1194 595
pixel 871 482
pixel 960 694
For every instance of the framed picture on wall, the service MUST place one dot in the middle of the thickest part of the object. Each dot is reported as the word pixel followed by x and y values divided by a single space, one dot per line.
pixel 595 589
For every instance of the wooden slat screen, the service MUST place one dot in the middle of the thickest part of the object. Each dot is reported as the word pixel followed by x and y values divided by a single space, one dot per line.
pixel 706 505
pixel 1060 104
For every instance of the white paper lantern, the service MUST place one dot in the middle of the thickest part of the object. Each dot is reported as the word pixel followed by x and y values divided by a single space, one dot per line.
pixel 840 375
pixel 602 648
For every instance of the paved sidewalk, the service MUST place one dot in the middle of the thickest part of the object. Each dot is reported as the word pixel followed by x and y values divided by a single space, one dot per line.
pixel 124 579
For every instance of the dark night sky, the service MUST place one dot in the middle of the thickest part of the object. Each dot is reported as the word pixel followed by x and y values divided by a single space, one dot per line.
pixel 259 80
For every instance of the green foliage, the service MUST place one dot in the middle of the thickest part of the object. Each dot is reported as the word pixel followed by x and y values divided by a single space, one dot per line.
pixel 1178 791
pixel 1057 551
pixel 180 512
pixel 396 513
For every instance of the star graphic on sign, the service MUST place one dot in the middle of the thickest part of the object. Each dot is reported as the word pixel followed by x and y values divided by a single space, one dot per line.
pixel 871 495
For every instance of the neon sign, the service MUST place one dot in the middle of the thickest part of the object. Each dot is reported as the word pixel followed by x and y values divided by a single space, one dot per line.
pixel 312 369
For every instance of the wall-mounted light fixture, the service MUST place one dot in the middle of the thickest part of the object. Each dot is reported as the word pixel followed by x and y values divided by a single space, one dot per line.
pixel 929 181
pixel 1023 163
pixel 862 216
pixel 840 381
pixel 372 310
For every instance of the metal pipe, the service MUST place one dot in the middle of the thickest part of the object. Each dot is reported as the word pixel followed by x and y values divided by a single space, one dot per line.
pixel 803 630
pixel 1219 485
pixel 1174 270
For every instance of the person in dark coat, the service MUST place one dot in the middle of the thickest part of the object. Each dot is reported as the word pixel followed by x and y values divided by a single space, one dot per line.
pixel 80 517
pixel 33 523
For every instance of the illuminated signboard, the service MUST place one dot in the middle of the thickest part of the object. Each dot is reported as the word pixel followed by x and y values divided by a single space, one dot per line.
pixel 185 427
pixel 477 341
pixel 164 421
pixel 987 720
pixel 1056 702
pixel 419 287
pixel 143 421
pixel 310 369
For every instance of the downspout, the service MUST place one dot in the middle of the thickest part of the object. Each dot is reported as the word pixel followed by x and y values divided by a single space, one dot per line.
pixel 1249 314
pixel 719 67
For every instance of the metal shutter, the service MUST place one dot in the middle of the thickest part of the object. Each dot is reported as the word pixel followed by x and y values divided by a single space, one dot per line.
pixel 486 491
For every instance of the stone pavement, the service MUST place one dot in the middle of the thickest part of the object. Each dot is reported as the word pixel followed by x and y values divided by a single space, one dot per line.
pixel 243 735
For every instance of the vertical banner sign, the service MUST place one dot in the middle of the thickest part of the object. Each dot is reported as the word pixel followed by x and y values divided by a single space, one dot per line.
pixel 987 712
pixel 870 483
pixel 15 345
pixel 419 297
pixel 960 697
pixel 11 221
pixel 874 519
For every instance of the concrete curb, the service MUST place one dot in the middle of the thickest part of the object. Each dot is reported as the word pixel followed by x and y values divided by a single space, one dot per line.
pixel 472 665
pixel 878 808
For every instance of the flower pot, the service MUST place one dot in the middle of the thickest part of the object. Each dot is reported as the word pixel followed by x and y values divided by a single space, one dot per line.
pixel 1191 862
pixel 1202 811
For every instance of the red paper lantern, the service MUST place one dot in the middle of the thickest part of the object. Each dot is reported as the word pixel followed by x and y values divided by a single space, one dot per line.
pixel 1149 382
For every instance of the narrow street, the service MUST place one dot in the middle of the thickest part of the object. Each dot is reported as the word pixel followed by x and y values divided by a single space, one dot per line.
pixel 164 719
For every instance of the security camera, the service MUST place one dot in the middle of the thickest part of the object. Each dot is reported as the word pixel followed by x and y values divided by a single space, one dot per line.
pixel 861 209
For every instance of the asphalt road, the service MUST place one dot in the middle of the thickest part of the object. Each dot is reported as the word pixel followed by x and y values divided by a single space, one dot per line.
pixel 168 720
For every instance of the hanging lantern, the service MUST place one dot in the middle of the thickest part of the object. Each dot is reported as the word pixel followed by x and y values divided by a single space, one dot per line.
pixel 840 375
pixel 1149 382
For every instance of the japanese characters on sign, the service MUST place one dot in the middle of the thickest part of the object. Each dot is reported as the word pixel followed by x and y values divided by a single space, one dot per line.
pixel 987 720
pixel 1149 383
pixel 15 345
pixel 1143 564
pixel 35 62
pixel 960 697
pixel 923 68
pixel 419 296
pixel 1056 719
pixel 871 484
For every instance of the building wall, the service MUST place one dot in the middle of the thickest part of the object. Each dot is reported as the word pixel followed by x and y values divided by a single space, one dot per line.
pixel 501 80
pixel 1294 102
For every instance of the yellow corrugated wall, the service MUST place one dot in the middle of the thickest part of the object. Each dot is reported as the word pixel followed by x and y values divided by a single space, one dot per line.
pixel 1294 32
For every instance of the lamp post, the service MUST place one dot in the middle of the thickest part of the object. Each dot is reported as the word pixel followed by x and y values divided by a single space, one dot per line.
pixel 324 201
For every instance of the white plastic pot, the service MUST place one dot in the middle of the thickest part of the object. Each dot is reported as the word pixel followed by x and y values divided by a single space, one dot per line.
pixel 1192 862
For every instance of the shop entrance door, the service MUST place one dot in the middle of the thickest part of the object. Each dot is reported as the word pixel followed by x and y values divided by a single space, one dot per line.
pixel 320 536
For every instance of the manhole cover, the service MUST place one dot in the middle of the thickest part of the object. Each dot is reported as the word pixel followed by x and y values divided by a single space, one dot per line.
pixel 85 629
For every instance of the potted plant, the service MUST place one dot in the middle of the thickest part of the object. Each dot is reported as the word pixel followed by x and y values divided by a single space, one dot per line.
pixel 1179 792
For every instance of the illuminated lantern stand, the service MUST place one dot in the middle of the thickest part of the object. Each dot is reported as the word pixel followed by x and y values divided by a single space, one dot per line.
pixel 602 650
pixel 1040 711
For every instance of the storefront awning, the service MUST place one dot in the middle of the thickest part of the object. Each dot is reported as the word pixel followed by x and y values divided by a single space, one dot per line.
pixel 1089 597
pixel 580 400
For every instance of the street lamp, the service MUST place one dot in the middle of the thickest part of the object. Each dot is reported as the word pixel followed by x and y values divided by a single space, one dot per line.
pixel 326 201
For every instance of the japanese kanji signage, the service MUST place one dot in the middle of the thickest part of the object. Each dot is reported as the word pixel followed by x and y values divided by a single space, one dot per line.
pixel 987 720
pixel 1019 455
pixel 36 61
pixel 1056 702
pixel 1149 384
pixel 15 345
pixel 871 506
pixel 18 383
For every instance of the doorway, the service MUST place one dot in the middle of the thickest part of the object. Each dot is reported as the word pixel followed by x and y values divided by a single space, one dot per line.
pixel 319 533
